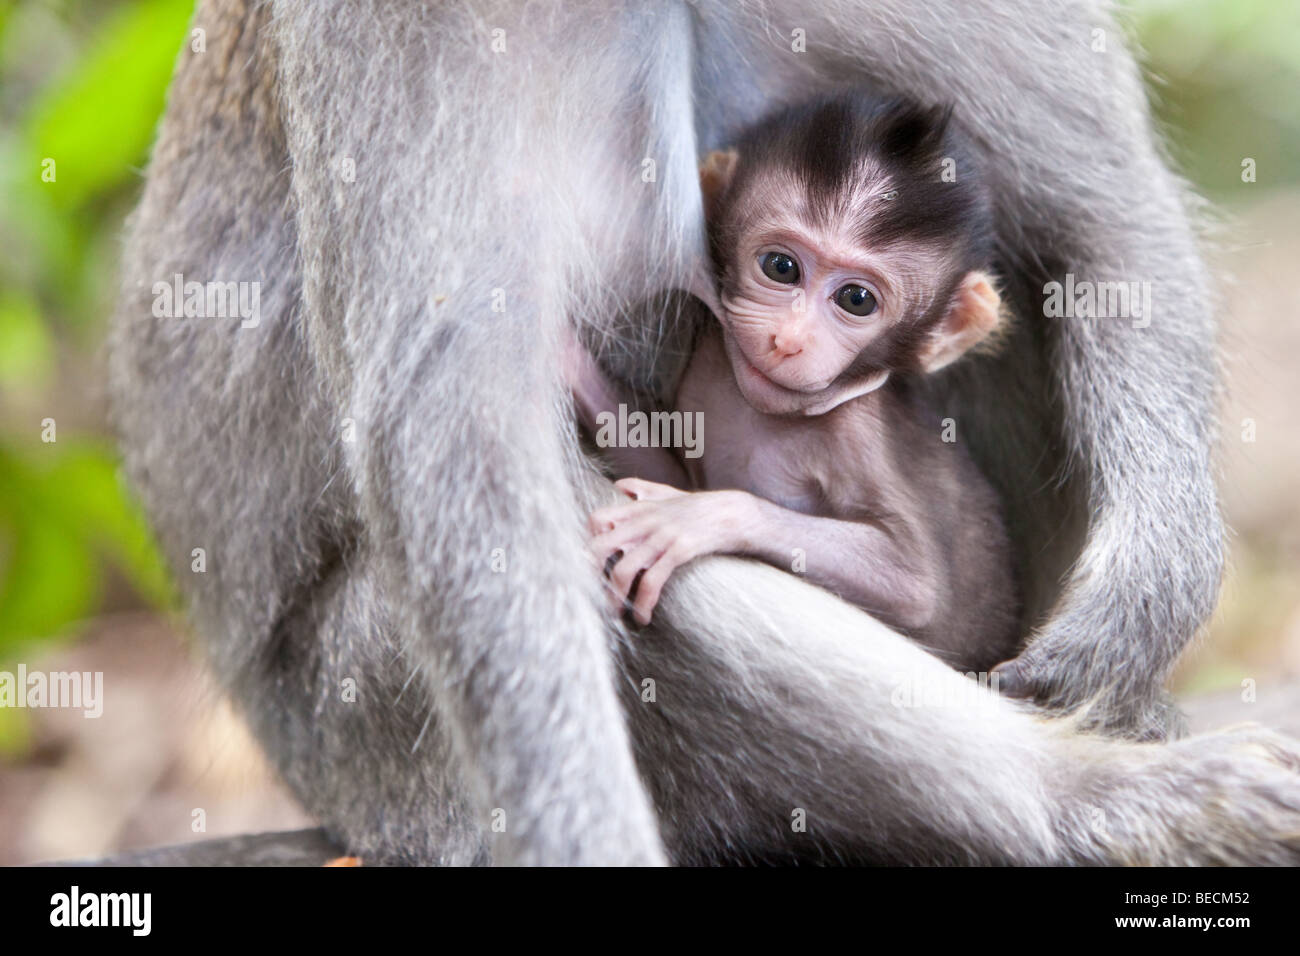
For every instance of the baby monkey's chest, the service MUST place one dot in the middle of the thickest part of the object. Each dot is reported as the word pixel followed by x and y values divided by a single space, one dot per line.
pixel 780 460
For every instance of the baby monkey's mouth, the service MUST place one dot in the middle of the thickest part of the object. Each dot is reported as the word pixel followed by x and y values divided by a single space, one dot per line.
pixel 768 379
pixel 809 400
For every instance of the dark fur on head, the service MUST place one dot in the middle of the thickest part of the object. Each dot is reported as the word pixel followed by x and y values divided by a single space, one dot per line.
pixel 824 145
pixel 827 147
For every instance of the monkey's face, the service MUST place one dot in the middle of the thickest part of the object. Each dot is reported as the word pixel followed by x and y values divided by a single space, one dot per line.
pixel 802 307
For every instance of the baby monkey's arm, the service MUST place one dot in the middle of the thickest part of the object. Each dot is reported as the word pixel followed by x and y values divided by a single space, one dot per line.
pixel 662 528
pixel 593 395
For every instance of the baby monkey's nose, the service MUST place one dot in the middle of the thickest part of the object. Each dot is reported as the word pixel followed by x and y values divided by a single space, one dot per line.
pixel 788 340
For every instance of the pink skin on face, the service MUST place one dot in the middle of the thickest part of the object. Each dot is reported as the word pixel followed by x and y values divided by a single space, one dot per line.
pixel 789 343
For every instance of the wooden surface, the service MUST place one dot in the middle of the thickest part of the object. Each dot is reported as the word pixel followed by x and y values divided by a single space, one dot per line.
pixel 288 848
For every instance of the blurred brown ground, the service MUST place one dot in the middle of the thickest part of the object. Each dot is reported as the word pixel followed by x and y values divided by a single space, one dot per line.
pixel 167 745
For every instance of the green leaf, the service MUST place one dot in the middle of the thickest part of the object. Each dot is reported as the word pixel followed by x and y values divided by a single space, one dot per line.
pixel 25 347
pixel 73 510
pixel 94 499
pixel 97 124
pixel 49 579
pixel 15 732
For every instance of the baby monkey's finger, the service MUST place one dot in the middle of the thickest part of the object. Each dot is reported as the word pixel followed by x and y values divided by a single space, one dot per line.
pixel 614 599
pixel 619 538
pixel 604 519
pixel 649 587
pixel 635 559
pixel 639 489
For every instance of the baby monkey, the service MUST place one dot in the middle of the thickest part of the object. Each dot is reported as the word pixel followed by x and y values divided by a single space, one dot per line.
pixel 846 267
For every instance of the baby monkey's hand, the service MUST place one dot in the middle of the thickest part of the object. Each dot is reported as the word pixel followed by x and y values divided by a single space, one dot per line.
pixel 642 541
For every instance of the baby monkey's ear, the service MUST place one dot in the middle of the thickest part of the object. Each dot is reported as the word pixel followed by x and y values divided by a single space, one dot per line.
pixel 715 177
pixel 974 312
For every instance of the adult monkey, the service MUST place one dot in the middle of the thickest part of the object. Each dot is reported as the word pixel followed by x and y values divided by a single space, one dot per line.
pixel 425 200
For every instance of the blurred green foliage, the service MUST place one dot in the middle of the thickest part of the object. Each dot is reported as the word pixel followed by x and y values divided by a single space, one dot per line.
pixel 1225 75
pixel 82 83
pixel 81 89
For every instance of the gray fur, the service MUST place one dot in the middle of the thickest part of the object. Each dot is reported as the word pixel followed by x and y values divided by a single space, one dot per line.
pixel 480 689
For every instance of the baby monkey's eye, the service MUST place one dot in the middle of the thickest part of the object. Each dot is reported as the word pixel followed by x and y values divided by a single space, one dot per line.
pixel 856 300
pixel 779 267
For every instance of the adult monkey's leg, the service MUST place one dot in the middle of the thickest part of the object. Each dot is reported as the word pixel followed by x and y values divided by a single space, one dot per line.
pixel 437 272
pixel 236 448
